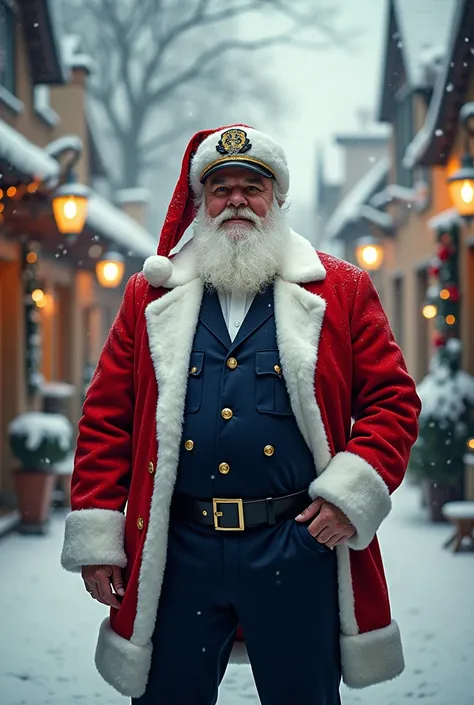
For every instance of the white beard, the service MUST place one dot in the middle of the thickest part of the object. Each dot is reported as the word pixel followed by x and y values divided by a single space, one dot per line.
pixel 238 257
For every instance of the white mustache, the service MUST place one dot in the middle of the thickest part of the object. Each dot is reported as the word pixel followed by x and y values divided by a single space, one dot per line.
pixel 229 213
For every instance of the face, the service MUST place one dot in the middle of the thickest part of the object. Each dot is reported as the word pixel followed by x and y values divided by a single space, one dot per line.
pixel 236 189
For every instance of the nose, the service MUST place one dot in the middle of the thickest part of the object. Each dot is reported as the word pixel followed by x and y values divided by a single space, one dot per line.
pixel 237 198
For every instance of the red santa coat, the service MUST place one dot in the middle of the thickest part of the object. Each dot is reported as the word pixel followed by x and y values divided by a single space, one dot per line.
pixel 354 402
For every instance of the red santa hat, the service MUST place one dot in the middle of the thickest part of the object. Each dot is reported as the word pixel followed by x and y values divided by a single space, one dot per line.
pixel 207 152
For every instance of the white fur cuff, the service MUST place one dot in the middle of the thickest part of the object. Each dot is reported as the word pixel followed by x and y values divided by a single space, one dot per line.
pixel 373 657
pixel 93 537
pixel 357 489
pixel 125 666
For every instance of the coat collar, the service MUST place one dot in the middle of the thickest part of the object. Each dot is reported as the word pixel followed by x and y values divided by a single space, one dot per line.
pixel 300 265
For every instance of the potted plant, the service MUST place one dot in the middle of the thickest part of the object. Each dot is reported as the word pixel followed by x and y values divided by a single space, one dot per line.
pixel 37 440
pixel 437 458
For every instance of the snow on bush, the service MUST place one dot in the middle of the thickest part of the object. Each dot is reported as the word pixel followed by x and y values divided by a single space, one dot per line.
pixel 57 390
pixel 446 395
pixel 37 426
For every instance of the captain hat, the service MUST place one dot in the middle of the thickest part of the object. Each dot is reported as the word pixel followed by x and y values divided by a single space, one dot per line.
pixel 243 146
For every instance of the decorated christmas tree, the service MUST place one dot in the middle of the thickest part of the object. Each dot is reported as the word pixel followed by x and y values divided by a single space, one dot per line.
pixel 447 392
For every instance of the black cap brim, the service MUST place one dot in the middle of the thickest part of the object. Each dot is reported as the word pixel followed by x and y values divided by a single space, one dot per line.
pixel 243 165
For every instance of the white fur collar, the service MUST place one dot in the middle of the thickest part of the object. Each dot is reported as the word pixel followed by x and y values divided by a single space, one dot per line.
pixel 301 264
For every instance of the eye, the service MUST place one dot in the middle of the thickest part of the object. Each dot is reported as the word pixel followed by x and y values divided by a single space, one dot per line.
pixel 253 189
pixel 221 190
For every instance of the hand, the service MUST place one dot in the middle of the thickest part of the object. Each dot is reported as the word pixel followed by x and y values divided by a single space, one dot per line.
pixel 331 526
pixel 98 580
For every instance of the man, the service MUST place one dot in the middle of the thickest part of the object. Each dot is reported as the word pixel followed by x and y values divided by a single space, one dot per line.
pixel 252 413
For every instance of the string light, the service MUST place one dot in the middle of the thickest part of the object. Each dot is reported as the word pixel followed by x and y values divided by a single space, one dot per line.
pixel 450 320
pixel 11 192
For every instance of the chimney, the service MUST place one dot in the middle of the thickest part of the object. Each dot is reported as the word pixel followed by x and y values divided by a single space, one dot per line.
pixel 135 202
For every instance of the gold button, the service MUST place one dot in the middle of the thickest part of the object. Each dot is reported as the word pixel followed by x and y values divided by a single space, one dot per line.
pixel 277 369
pixel 151 468
pixel 204 513
pixel 269 450
pixel 140 523
pixel 189 445
pixel 193 370
pixel 224 468
pixel 227 414
pixel 231 363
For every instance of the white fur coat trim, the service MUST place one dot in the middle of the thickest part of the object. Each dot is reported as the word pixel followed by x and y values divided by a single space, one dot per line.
pixel 301 264
pixel 124 665
pixel 263 147
pixel 93 537
pixel 373 657
pixel 356 487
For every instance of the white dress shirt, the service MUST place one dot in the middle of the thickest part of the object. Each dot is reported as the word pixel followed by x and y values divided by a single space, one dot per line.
pixel 234 309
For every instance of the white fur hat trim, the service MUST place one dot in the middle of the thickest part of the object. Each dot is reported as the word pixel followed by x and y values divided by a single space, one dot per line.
pixel 157 270
pixel 263 149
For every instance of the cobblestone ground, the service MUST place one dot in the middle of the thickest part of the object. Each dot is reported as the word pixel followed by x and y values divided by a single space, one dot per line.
pixel 48 626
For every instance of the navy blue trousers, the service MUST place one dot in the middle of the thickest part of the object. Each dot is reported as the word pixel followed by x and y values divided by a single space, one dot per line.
pixel 279 583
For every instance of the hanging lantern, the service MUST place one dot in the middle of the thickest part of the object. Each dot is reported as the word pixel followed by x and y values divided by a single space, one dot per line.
pixel 369 253
pixel 461 187
pixel 70 208
pixel 110 270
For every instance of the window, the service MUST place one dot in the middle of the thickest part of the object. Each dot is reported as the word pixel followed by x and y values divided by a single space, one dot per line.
pixel 7 46
pixel 403 134
pixel 398 303
pixel 422 332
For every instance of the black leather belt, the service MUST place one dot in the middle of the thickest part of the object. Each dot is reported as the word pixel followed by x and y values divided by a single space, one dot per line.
pixel 238 514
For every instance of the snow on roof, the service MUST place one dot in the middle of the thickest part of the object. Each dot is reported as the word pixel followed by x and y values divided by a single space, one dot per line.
pixel 119 227
pixel 25 156
pixel 349 210
pixel 133 195
pixel 425 28
pixel 378 131
pixel 63 144
pixel 445 219
pixel 418 146
pixel 72 56
pixel 393 192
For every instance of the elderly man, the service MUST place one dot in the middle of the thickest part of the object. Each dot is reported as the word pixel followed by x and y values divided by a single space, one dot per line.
pixel 248 420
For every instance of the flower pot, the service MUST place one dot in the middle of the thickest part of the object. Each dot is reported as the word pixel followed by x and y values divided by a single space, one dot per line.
pixel 436 494
pixel 35 494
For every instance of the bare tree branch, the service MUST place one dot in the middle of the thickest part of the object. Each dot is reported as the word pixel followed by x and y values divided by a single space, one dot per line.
pixel 191 72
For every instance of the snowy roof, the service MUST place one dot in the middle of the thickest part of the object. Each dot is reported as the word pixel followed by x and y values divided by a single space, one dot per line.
pixel 72 56
pixel 445 219
pixel 119 227
pixel 351 208
pixel 133 195
pixel 393 192
pixel 25 156
pixel 425 28
pixel 378 131
pixel 418 146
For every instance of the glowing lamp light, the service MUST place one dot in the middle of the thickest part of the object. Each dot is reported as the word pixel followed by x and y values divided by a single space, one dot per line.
pixel 70 203
pixel 110 270
pixel 38 296
pixel 369 253
pixel 430 311
pixel 470 444
pixel 461 188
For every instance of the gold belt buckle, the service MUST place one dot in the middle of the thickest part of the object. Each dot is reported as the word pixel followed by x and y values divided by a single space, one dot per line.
pixel 216 514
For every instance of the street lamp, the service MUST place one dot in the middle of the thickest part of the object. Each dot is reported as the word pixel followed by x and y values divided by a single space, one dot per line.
pixel 70 207
pixel 110 270
pixel 369 253
pixel 461 183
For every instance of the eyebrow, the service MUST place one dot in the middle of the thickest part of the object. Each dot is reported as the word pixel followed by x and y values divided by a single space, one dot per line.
pixel 218 180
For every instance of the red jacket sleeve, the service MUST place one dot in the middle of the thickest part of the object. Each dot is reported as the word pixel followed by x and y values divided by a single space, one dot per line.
pixel 385 409
pixel 102 465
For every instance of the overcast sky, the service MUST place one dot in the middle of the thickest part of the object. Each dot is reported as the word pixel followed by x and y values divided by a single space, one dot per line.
pixel 327 89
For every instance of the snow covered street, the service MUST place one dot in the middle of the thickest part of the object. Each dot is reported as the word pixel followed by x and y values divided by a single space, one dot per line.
pixel 49 625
